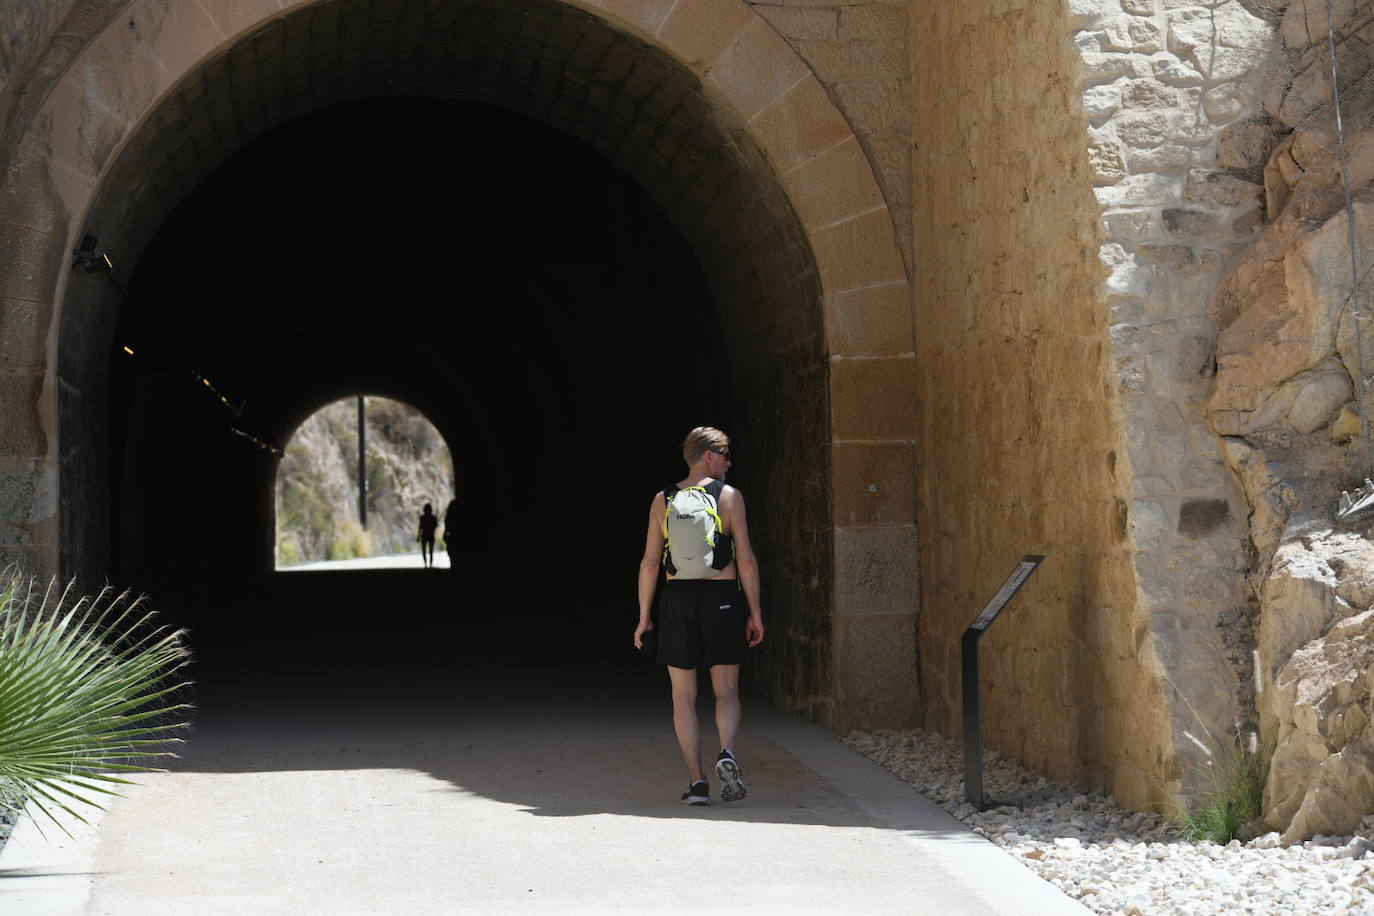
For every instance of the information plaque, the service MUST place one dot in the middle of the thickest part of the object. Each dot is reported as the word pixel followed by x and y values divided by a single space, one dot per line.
pixel 973 717
pixel 1008 591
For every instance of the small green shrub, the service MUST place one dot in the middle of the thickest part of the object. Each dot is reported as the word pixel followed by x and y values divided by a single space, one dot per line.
pixel 87 692
pixel 1227 798
pixel 1227 802
pixel 350 540
pixel 288 549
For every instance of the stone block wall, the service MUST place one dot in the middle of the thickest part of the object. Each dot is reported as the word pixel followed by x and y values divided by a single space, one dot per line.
pixel 1085 384
pixel 1177 149
pixel 858 50
pixel 38 41
pixel 25 28
pixel 1020 449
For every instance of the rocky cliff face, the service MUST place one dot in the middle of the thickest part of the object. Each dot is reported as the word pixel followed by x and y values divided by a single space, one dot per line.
pixel 1287 357
pixel 408 465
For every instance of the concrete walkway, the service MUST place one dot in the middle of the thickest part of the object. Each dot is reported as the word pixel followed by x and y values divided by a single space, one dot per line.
pixel 546 793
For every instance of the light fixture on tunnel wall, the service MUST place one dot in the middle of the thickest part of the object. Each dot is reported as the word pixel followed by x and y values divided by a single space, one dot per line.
pixel 264 446
pixel 90 257
pixel 235 410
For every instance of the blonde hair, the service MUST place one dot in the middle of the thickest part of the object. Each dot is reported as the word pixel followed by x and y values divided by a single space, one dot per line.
pixel 701 439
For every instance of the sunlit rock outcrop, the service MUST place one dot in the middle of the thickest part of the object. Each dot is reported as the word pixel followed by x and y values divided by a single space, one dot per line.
pixel 1287 356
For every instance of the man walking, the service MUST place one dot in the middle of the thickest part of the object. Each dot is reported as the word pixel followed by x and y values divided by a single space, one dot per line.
pixel 428 524
pixel 710 607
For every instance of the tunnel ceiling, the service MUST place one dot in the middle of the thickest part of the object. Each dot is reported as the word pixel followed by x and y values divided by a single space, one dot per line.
pixel 566 68
pixel 373 246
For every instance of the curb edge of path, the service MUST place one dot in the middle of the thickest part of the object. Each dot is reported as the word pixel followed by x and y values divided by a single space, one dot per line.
pixel 45 871
pixel 981 868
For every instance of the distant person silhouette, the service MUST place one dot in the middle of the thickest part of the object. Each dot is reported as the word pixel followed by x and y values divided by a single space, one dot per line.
pixel 451 525
pixel 428 524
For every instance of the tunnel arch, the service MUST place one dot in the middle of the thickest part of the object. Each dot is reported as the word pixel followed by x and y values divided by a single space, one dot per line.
pixel 328 294
pixel 715 116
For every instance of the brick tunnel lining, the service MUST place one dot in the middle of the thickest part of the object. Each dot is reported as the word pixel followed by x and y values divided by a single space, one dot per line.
pixel 569 70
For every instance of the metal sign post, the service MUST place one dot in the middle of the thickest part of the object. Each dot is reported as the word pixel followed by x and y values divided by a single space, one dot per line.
pixel 973 722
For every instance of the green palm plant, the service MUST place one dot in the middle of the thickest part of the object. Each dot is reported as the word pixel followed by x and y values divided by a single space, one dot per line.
pixel 87 693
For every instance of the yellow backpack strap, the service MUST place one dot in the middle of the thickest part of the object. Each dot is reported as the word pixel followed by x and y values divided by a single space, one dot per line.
pixel 668 494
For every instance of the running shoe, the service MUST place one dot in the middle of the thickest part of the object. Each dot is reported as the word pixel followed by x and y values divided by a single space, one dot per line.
pixel 731 782
pixel 698 793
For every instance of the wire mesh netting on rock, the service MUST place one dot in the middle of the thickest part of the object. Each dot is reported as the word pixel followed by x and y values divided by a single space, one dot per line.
pixel 1297 86
pixel 1321 84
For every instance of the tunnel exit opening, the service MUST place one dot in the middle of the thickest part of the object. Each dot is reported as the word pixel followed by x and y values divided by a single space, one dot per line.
pixel 365 483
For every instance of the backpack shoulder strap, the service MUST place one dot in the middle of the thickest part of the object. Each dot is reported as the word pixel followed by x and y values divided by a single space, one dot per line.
pixel 722 543
pixel 668 494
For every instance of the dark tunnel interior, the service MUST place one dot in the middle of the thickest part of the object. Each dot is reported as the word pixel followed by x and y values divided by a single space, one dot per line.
pixel 497 274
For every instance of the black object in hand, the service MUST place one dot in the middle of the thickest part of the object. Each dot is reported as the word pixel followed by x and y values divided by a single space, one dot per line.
pixel 648 641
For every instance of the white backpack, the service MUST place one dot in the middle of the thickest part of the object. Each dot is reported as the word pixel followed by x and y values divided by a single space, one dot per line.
pixel 694 547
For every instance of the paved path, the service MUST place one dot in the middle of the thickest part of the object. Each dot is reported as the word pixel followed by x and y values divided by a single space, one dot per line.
pixel 414 560
pixel 556 794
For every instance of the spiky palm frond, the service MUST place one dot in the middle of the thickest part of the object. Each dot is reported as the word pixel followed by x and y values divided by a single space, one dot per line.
pixel 87 693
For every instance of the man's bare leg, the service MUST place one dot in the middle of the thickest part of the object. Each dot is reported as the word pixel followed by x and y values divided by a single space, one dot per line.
pixel 725 683
pixel 684 682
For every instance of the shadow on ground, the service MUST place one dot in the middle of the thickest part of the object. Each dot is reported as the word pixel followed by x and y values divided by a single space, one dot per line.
pixel 411 670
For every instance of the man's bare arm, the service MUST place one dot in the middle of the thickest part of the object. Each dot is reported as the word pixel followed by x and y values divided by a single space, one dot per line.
pixel 649 566
pixel 746 563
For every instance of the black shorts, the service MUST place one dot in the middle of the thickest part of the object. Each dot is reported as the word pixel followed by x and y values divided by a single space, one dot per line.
pixel 701 623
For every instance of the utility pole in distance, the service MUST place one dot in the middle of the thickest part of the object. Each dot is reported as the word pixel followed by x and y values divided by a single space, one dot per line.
pixel 362 461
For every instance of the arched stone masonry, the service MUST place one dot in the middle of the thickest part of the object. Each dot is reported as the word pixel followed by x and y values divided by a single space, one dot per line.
pixel 110 98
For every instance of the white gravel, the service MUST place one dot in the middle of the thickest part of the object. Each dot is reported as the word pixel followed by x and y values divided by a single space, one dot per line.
pixel 1120 861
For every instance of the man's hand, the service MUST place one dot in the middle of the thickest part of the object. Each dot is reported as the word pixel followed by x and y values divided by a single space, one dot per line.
pixel 644 627
pixel 753 631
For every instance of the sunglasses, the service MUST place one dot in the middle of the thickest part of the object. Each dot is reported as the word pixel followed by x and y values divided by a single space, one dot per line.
pixel 722 452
